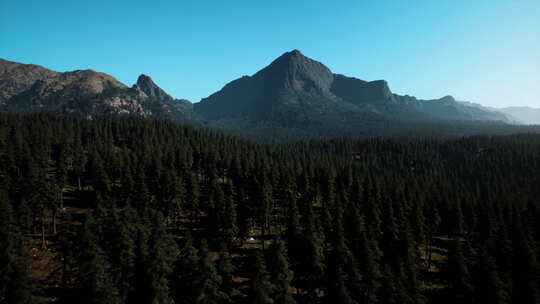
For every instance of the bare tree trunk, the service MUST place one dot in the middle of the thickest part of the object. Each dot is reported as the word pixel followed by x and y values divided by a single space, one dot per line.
pixel 54 221
pixel 43 241
pixel 427 253
pixel 79 182
pixel 34 223
pixel 269 227
pixel 263 230
pixel 64 273
pixel 430 252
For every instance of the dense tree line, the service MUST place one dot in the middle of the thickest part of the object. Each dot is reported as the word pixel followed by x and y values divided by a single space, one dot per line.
pixel 173 214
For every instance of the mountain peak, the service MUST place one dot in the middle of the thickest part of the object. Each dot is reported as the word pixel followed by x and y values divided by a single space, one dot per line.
pixel 151 89
pixel 448 98
pixel 145 81
pixel 294 53
pixel 292 56
pixel 291 81
pixel 296 71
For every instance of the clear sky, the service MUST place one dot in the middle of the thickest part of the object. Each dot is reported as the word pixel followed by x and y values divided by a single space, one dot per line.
pixel 487 51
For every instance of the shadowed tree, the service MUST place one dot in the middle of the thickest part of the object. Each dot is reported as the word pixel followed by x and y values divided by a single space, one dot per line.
pixel 14 283
pixel 487 285
pixel 261 287
pixel 209 281
pixel 281 273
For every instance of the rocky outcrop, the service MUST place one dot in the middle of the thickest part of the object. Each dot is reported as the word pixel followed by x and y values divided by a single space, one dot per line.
pixel 30 88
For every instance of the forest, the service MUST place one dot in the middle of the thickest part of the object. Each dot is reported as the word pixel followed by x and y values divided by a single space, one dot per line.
pixel 126 210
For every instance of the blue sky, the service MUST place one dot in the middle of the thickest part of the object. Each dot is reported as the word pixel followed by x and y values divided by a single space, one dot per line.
pixel 487 51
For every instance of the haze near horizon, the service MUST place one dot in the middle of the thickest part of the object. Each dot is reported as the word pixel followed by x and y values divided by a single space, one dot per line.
pixel 487 52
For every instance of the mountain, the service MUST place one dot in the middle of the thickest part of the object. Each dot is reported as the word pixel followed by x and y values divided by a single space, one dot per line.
pixel 31 88
pixel 292 95
pixel 296 91
pixel 526 115
pixel 449 108
pixel 292 88
pixel 16 78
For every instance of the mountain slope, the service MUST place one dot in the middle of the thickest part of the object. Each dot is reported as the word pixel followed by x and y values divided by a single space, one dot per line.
pixel 292 83
pixel 28 88
pixel 293 94
pixel 295 91
pixel 16 78
pixel 526 115
pixel 448 108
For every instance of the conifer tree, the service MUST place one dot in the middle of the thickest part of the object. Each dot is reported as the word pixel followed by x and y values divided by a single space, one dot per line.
pixel 337 290
pixel 281 274
pixel 186 273
pixel 312 265
pixel 209 280
pixel 160 264
pixel 96 282
pixel 456 272
pixel 261 287
pixel 525 267
pixel 192 194
pixel 488 287
pixel 229 217
pixel 14 283
pixel 225 269
pixel 388 289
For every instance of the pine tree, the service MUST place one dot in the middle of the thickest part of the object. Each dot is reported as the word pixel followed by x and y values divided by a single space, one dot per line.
pixel 293 236
pixel 123 253
pixel 261 287
pixel 229 216
pixel 281 274
pixel 388 289
pixel 225 269
pixel 185 275
pixel 456 272
pixel 14 282
pixel 96 282
pixel 160 264
pixel 526 269
pixel 488 287
pixel 312 265
pixel 100 178
pixel 337 290
pixel 209 280
pixel 192 194
pixel 433 220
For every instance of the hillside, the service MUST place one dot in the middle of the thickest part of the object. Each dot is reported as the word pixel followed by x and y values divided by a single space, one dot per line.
pixel 30 88
pixel 525 115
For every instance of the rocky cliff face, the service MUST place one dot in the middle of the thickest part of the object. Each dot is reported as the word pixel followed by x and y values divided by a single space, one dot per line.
pixel 360 92
pixel 146 85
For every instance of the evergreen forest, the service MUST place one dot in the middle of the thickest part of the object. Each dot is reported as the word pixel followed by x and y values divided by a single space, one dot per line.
pixel 129 210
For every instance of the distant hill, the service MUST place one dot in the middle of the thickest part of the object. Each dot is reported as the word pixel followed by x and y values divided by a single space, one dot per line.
pixel 526 115
pixel 31 88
